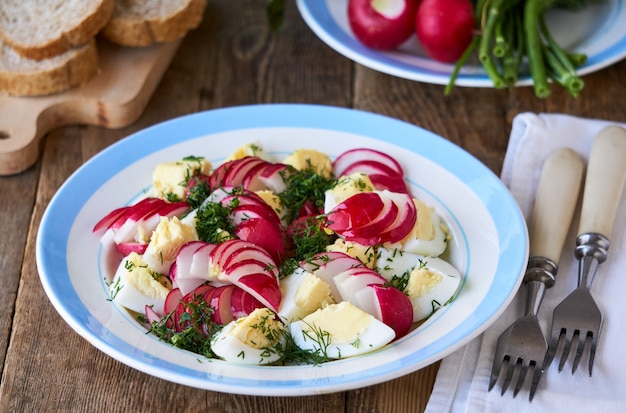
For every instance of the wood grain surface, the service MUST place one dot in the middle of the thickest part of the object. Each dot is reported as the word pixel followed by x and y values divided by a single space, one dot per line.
pixel 232 59
pixel 114 98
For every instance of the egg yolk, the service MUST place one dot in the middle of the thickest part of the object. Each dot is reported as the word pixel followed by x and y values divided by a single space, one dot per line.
pixel 258 330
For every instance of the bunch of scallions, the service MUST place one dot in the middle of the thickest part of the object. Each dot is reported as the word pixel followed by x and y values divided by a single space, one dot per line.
pixel 514 33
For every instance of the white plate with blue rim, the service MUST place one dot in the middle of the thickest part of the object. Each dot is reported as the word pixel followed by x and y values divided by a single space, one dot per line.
pixel 597 31
pixel 489 245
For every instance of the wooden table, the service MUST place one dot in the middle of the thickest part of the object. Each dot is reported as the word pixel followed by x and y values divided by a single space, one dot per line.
pixel 232 59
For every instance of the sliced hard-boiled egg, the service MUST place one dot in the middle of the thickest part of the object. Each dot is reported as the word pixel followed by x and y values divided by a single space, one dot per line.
pixel 429 236
pixel 364 253
pixel 249 149
pixel 167 238
pixel 395 262
pixel 302 294
pixel 345 187
pixel 136 285
pixel 169 179
pixel 253 339
pixel 431 286
pixel 310 158
pixel 340 330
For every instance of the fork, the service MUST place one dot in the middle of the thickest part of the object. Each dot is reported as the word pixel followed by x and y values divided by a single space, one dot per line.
pixel 577 320
pixel 522 345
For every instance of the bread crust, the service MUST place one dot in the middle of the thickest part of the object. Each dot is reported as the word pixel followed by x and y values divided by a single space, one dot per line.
pixel 81 67
pixel 78 35
pixel 139 32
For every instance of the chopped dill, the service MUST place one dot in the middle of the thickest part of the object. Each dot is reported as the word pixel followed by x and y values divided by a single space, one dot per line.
pixel 303 186
pixel 197 328
pixel 199 190
pixel 212 220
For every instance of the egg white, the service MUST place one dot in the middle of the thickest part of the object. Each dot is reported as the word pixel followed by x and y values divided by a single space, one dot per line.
pixel 372 336
pixel 433 247
pixel 230 348
pixel 290 287
pixel 437 295
pixel 136 294
pixel 395 262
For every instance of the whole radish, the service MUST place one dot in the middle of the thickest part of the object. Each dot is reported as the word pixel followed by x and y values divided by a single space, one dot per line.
pixel 445 28
pixel 382 24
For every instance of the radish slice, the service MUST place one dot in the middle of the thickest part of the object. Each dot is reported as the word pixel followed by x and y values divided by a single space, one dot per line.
pixel 358 210
pixel 151 315
pixel 394 308
pixel 242 303
pixel 240 168
pixel 390 183
pixel 126 248
pixel 274 177
pixel 220 302
pixel 199 267
pixel 370 234
pixel 263 287
pixel 370 167
pixel 351 156
pixel 352 281
pixel 265 234
pixel 172 300
pixel 407 216
pixel 326 265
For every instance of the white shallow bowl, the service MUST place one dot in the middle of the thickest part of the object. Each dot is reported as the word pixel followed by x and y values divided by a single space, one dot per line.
pixel 598 31
pixel 490 245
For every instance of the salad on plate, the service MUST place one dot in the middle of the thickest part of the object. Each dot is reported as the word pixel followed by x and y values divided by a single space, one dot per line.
pixel 261 261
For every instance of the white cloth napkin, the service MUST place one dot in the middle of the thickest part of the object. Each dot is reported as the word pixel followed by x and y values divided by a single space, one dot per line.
pixel 462 381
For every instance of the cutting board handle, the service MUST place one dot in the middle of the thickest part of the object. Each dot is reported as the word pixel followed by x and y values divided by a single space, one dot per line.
pixel 115 98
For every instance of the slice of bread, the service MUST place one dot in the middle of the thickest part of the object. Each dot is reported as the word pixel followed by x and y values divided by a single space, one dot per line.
pixel 142 23
pixel 40 29
pixel 20 76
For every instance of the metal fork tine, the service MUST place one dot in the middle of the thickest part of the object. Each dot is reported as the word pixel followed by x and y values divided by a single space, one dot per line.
pixel 535 381
pixel 579 351
pixel 566 348
pixel 495 371
pixel 508 376
pixel 592 352
pixel 554 342
pixel 521 377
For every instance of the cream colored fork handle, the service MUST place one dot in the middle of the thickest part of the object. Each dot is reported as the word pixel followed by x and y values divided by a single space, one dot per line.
pixel 556 198
pixel 606 173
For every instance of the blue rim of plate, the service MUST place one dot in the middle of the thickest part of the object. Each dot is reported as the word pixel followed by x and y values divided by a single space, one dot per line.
pixel 318 17
pixel 54 232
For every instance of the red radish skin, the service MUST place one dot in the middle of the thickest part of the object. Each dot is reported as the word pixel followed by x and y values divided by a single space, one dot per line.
pixel 352 156
pixel 370 167
pixel 407 216
pixel 445 28
pixel 220 302
pixel 126 248
pixel 382 25
pixel 264 234
pixel 356 211
pixel 395 307
pixel 242 303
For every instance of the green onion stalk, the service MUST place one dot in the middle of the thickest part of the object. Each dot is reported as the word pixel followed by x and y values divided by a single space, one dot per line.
pixel 511 33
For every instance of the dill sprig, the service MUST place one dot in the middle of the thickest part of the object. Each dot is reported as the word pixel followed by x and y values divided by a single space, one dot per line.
pixel 213 219
pixel 302 186
pixel 197 328
pixel 292 354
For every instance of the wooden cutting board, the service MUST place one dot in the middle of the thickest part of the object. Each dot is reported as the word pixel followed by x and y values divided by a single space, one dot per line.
pixel 115 98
